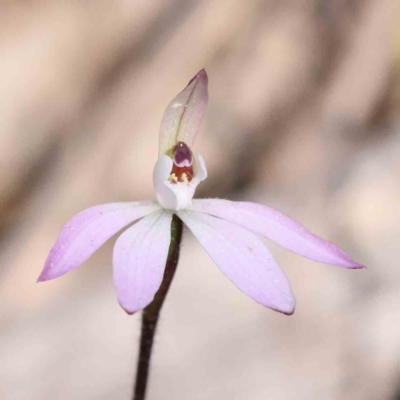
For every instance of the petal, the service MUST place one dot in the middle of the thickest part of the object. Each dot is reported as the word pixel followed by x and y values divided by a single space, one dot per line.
pixel 88 231
pixel 201 169
pixel 184 113
pixel 176 196
pixel 244 258
pixel 162 170
pixel 279 228
pixel 140 254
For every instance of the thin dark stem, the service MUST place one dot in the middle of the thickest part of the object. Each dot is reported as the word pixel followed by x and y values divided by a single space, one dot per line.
pixel 152 311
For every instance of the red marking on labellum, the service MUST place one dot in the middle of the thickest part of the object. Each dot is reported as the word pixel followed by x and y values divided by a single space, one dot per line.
pixel 182 170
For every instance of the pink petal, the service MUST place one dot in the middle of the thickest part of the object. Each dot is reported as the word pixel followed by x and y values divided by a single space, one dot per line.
pixel 88 231
pixel 140 254
pixel 279 228
pixel 244 258
pixel 183 116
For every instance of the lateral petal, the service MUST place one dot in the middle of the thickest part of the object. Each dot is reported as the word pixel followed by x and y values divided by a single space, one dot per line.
pixel 244 259
pixel 277 227
pixel 183 116
pixel 88 231
pixel 139 258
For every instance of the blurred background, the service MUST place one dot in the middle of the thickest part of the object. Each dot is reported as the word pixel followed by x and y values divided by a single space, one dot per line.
pixel 303 116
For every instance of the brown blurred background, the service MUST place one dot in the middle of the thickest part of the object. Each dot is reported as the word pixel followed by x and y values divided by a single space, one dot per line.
pixel 303 116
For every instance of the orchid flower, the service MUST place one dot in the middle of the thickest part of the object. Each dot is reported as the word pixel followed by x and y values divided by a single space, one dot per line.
pixel 229 231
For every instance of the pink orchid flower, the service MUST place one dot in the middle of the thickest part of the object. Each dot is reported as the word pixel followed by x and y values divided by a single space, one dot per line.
pixel 227 230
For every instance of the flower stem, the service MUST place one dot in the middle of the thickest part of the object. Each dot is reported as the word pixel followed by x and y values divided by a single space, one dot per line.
pixel 152 311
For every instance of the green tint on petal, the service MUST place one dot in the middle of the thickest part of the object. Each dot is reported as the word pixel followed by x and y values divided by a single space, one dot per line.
pixel 182 118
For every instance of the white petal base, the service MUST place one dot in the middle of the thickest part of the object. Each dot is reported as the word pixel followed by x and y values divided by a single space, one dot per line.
pixel 176 196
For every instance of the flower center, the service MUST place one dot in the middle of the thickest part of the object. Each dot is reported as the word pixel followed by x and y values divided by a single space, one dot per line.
pixel 182 170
